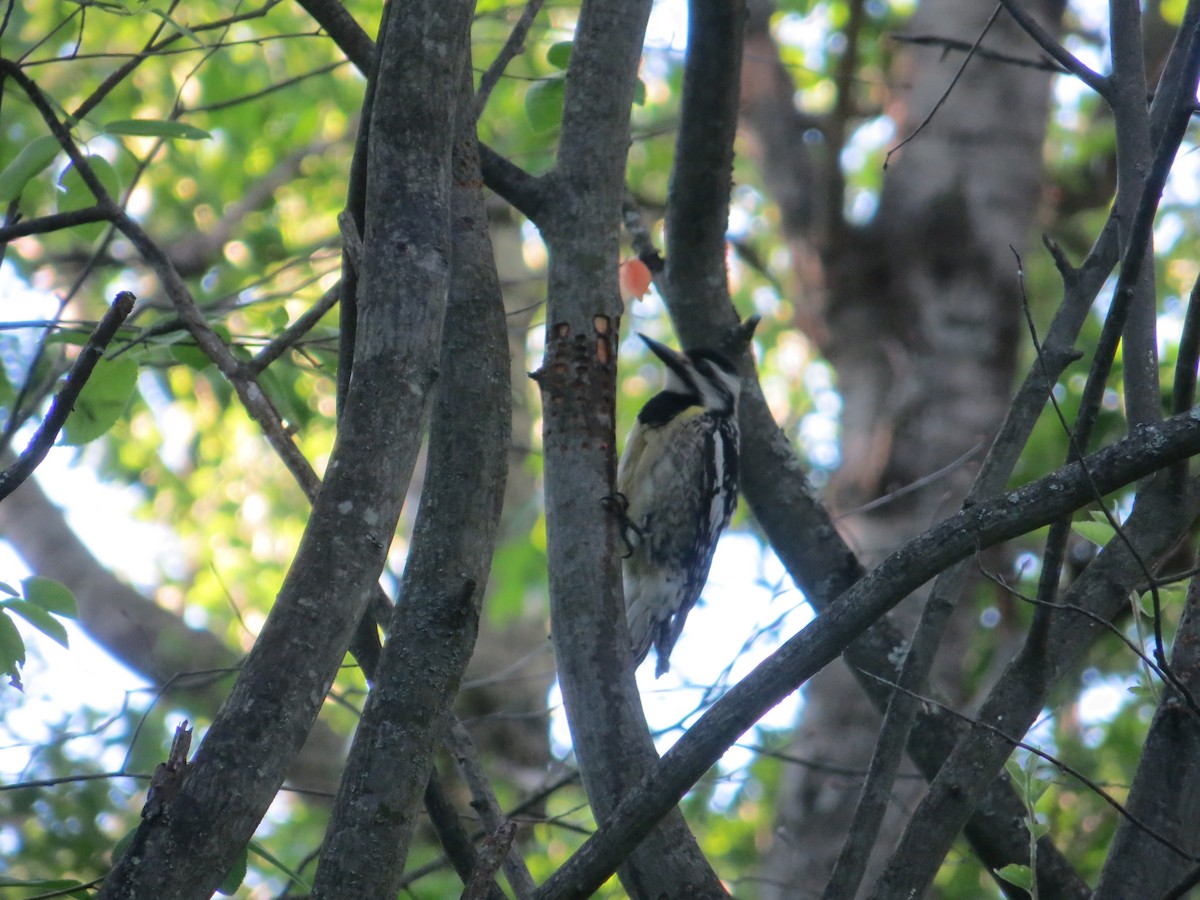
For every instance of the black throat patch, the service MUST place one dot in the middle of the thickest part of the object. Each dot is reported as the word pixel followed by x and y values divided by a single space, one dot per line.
pixel 664 406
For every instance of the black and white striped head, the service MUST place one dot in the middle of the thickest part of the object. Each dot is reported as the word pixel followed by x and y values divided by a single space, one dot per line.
pixel 706 376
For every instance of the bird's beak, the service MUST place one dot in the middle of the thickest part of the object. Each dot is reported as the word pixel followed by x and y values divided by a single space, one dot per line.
pixel 673 359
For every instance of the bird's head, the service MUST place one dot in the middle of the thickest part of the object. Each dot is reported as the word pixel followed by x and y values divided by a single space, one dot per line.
pixel 704 374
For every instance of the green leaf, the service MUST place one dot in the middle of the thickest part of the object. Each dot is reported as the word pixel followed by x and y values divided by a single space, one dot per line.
pixel 7 588
pixel 163 128
pixel 177 26
pixel 1099 533
pixel 188 353
pixel 260 850
pixel 68 336
pixel 1036 828
pixel 102 400
pixel 75 194
pixel 34 158
pixel 122 845
pixel 52 596
pixel 1021 876
pixel 543 104
pixel 279 318
pixel 235 876
pixel 12 648
pixel 639 93
pixel 185 349
pixel 39 619
pixel 40 886
pixel 559 55
pixel 7 394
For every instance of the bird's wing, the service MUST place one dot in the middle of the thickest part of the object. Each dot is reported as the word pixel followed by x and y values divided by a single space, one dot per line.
pixel 670 490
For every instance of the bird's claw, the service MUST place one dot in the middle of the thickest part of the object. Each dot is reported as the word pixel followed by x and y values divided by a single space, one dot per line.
pixel 618 504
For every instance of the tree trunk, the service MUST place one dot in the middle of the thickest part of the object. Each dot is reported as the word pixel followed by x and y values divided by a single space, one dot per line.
pixel 919 313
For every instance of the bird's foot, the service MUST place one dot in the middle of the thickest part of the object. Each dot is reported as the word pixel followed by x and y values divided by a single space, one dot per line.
pixel 618 504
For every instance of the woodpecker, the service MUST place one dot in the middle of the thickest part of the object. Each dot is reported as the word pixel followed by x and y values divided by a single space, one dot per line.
pixel 677 488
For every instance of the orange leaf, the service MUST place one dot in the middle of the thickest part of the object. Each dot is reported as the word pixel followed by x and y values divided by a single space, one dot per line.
pixel 635 279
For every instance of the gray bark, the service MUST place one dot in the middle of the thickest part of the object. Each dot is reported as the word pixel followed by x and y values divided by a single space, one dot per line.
pixel 239 765
pixel 920 319
pixel 578 383
pixel 433 630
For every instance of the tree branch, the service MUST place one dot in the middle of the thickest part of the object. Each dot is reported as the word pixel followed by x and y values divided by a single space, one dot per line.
pixel 1136 238
pixel 64 400
pixel 483 800
pixel 1157 521
pixel 1057 51
pixel 239 765
pixel 816 557
pixel 529 195
pixel 987 523
pixel 52 222
pixel 578 385
pixel 1162 791
pixel 1183 394
pixel 344 29
pixel 702 177
pixel 290 336
pixel 512 46
pixel 1136 311
pixel 433 630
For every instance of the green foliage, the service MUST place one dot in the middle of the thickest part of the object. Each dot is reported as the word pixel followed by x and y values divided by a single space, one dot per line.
pixel 38 602
pixel 75 194
pixel 156 128
pixel 40 886
pixel 559 55
pixel 259 850
pixel 102 401
pixel 1096 529
pixel 544 103
pixel 65 831
pixel 34 158
pixel 235 876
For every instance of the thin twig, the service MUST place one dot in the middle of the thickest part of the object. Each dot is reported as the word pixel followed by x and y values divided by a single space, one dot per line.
pixel 1167 676
pixel 71 779
pixel 512 46
pixel 64 401
pixel 492 853
pixel 916 485
pixel 1057 51
pixel 153 49
pixel 1077 454
pixel 1054 761
pixel 949 43
pixel 949 88
pixel 270 89
pixel 68 891
pixel 483 800
pixel 290 335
